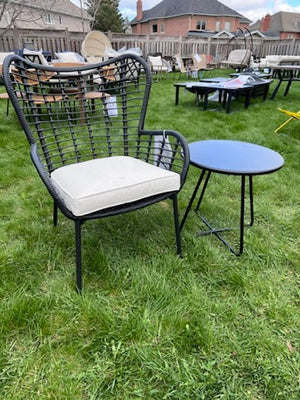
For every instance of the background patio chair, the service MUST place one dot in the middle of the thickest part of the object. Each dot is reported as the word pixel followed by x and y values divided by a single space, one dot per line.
pixel 158 66
pixel 94 46
pixel 36 56
pixel 200 63
pixel 4 96
pixel 189 72
pixel 292 116
pixel 214 62
pixel 97 162
pixel 238 59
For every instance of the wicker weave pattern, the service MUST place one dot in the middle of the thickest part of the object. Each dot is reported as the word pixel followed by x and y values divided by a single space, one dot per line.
pixel 74 114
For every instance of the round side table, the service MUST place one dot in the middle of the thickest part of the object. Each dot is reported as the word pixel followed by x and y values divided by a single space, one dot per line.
pixel 230 157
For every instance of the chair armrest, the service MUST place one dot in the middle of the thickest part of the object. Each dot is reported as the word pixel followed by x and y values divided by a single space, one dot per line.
pixel 47 180
pixel 165 148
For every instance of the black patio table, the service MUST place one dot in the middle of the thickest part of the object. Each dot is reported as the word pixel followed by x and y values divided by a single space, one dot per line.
pixel 230 157
pixel 288 73
pixel 226 91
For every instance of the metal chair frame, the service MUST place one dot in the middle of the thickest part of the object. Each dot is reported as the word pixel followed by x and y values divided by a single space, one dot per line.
pixel 71 131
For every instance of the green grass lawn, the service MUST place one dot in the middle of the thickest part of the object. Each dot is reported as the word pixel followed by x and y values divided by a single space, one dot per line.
pixel 150 325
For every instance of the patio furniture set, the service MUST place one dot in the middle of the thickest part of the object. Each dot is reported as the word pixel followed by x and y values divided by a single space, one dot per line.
pixel 97 159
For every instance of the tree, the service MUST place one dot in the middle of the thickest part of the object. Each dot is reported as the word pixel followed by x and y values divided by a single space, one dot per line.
pixel 106 15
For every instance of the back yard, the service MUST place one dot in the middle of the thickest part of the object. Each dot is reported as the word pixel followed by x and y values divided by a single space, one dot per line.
pixel 150 325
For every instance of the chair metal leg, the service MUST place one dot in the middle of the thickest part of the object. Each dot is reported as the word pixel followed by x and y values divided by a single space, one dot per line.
pixel 78 255
pixel 177 228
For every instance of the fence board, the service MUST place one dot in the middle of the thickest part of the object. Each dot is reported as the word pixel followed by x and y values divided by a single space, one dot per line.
pixel 57 41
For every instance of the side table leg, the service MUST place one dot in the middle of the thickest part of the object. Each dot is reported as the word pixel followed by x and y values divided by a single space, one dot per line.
pixel 242 215
pixel 217 231
pixel 192 198
pixel 203 190
pixel 251 201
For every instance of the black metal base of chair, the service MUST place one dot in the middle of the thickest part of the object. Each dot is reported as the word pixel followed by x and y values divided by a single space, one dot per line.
pixel 79 223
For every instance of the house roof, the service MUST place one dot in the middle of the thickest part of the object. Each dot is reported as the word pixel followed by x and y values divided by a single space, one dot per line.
pixel 174 8
pixel 280 22
pixel 256 32
pixel 285 22
pixel 64 7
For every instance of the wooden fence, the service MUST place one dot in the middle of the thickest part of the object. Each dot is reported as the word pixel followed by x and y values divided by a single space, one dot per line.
pixel 57 41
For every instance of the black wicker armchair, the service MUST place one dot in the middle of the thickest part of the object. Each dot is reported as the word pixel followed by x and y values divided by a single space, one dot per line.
pixel 85 127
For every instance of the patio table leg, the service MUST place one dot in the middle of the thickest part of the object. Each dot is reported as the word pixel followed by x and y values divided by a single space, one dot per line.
pixel 280 79
pixel 176 95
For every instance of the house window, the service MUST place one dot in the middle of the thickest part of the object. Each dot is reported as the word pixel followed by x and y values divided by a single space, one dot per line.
pixel 60 20
pixel 218 26
pixel 228 25
pixel 162 28
pixel 154 28
pixel 201 25
pixel 49 18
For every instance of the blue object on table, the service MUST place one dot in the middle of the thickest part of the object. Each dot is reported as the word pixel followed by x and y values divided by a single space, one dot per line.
pixel 230 157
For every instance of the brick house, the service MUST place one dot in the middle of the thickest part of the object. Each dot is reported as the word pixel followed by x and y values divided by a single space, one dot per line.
pixel 282 25
pixel 178 17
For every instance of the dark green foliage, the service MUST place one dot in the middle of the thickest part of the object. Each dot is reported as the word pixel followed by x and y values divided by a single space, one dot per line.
pixel 107 17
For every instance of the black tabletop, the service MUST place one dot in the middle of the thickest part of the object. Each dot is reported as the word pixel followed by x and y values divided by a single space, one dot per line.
pixel 234 157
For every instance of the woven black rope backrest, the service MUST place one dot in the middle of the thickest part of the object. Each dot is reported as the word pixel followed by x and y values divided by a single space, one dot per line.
pixel 76 113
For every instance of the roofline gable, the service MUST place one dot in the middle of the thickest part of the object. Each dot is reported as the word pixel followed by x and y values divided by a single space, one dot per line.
pixel 167 9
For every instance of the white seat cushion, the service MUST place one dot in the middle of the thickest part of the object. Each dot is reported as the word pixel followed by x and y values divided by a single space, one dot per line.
pixel 69 57
pixel 97 184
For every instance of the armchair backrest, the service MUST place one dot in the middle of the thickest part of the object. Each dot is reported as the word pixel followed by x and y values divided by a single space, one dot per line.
pixel 179 63
pixel 94 46
pixel 36 56
pixel 155 61
pixel 241 56
pixel 199 61
pixel 81 112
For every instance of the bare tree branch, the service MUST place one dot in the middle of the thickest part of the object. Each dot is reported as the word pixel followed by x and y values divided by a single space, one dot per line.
pixel 16 12
pixel 93 7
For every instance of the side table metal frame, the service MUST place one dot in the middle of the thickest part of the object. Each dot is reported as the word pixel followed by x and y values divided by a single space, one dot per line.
pixel 204 177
